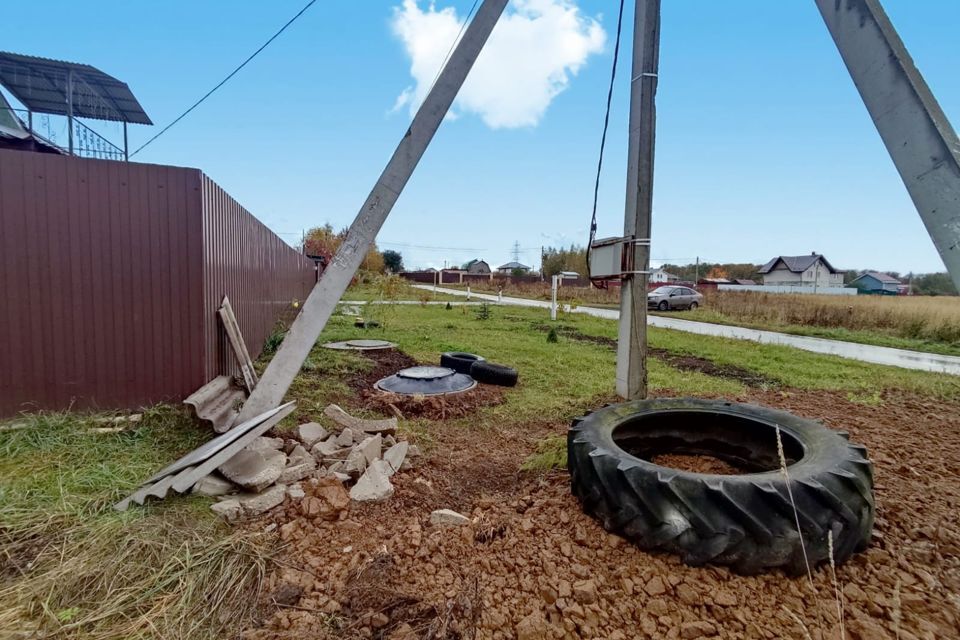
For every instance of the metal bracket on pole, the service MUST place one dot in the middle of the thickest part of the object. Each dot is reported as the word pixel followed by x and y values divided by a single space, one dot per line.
pixel 922 143
pixel 321 302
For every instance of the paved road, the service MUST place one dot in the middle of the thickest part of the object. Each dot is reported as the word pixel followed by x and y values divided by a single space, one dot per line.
pixel 864 352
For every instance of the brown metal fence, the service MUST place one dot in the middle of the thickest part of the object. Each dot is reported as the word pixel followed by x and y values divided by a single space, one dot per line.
pixel 110 276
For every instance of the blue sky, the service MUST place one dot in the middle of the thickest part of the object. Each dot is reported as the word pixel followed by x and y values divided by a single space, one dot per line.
pixel 763 146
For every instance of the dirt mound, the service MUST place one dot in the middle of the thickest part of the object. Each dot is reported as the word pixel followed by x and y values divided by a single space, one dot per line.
pixel 384 362
pixel 696 464
pixel 441 407
pixel 532 565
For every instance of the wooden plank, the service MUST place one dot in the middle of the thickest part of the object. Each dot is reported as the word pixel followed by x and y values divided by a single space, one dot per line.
pixel 232 328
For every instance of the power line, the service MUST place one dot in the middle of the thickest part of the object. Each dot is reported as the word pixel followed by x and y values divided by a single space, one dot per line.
pixel 225 80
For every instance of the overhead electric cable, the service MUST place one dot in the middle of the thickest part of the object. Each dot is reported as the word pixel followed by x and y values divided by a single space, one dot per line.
pixel 225 80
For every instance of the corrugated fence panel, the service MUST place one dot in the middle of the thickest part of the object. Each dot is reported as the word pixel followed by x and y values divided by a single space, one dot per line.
pixel 260 273
pixel 101 283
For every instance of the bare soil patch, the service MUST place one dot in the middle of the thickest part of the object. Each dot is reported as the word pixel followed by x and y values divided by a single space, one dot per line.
pixel 696 464
pixel 683 362
pixel 532 565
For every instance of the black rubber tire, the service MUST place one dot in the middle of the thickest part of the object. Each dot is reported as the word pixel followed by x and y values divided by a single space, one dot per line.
pixel 745 521
pixel 490 373
pixel 693 306
pixel 459 361
pixel 663 306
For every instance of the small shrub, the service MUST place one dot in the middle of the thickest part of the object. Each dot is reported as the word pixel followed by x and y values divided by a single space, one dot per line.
pixel 449 306
pixel 483 312
pixel 552 336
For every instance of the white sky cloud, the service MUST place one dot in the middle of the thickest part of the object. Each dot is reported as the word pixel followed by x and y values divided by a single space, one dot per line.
pixel 529 59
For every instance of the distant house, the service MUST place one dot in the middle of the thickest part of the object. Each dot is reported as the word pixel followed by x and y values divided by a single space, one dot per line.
pixel 876 282
pixel 569 275
pixel 660 276
pixel 510 267
pixel 744 282
pixel 801 271
pixel 478 266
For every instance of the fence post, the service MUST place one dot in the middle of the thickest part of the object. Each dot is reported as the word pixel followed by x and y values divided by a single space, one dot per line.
pixel 468 293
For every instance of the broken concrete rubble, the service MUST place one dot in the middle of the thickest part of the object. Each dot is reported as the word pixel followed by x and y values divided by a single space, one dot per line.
pixel 229 510
pixel 257 503
pixel 263 442
pixel 213 486
pixel 346 437
pixel 255 469
pixel 299 455
pixel 370 447
pixel 374 484
pixel 326 448
pixel 310 433
pixel 395 455
pixel 296 472
pixel 344 419
pixel 356 462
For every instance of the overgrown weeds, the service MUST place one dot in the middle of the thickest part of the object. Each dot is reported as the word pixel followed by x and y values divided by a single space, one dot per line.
pixel 71 566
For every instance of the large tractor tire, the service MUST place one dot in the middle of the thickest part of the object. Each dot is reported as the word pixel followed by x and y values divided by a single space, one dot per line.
pixel 746 521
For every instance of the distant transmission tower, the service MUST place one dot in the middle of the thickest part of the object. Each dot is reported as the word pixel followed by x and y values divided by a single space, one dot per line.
pixel 516 251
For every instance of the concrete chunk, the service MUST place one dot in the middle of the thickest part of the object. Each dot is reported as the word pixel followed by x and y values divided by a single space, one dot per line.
pixel 213 485
pixel 326 448
pixel 374 484
pixel 295 491
pixel 344 419
pixel 256 503
pixel 296 472
pixel 356 462
pixel 229 510
pixel 263 442
pixel 370 447
pixel 448 518
pixel 311 433
pixel 299 455
pixel 395 455
pixel 255 469
pixel 345 439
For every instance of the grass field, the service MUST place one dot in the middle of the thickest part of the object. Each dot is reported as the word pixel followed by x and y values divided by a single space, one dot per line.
pixel 74 567
pixel 919 323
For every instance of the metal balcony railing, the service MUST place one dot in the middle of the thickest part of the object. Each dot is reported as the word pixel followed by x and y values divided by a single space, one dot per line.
pixel 86 143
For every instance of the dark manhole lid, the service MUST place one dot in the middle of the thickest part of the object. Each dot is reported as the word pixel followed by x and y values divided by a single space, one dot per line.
pixel 426 381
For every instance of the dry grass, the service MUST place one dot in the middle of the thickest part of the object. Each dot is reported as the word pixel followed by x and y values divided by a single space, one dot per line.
pixel 936 319
pixel 72 567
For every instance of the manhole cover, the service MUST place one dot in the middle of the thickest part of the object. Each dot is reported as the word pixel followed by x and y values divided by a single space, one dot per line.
pixel 360 345
pixel 426 373
pixel 426 381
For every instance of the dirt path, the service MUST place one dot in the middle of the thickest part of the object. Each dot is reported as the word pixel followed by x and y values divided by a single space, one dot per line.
pixel 534 566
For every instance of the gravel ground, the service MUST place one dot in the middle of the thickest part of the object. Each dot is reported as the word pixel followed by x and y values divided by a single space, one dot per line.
pixel 532 565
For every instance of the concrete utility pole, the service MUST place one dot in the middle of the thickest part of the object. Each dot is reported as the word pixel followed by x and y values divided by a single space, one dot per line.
pixel 632 340
pixel 321 302
pixel 918 136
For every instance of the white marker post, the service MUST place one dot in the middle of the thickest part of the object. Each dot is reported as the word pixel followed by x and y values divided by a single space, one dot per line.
pixel 553 297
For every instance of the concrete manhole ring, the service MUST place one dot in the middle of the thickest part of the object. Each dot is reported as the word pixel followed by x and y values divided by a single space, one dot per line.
pixel 360 345
pixel 426 381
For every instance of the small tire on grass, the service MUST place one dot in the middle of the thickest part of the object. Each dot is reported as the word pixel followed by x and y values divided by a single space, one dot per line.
pixel 459 361
pixel 490 373
pixel 746 521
